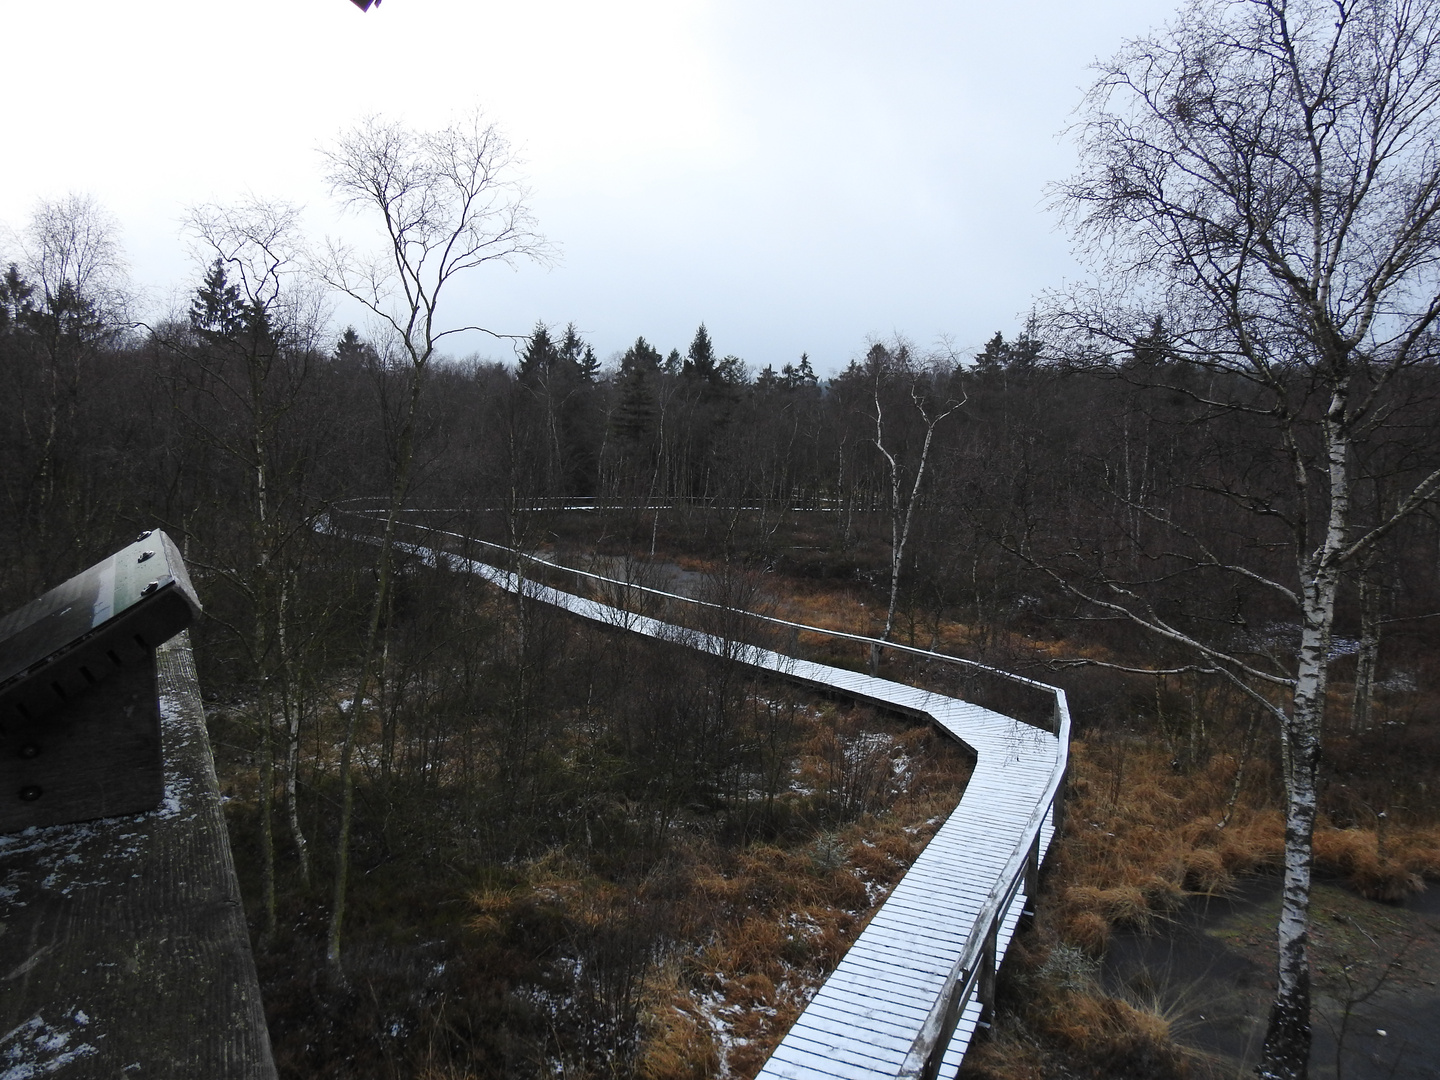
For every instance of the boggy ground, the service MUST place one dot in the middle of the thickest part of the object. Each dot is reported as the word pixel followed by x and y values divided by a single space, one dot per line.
pixel 688 958
pixel 1208 968
pixel 1153 953
pixel 628 936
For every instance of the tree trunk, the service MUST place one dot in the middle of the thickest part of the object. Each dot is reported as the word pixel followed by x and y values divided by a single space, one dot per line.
pixel 1286 1054
pixel 901 519
pixel 291 712
pixel 292 804
pixel 1369 654
pixel 403 457
pixel 267 820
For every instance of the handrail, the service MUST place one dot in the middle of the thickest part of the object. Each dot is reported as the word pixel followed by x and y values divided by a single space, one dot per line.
pixel 912 650
pixel 925 1055
pixel 973 973
pixel 824 503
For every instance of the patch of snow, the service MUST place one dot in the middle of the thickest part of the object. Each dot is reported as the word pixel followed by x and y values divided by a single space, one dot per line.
pixel 36 1048
pixel 1403 682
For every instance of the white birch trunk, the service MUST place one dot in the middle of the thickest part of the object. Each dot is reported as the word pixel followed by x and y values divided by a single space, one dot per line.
pixel 1286 1054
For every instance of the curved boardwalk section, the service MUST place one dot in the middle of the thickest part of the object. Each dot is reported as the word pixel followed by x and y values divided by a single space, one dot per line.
pixel 907 997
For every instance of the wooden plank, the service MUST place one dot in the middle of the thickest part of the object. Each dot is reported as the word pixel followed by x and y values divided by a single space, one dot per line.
pixel 873 979
pixel 867 1059
pixel 835 1015
pixel 125 950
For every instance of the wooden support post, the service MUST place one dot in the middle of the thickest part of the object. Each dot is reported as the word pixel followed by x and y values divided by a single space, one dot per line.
pixel 97 758
pixel 1032 880
pixel 952 1016
pixel 1032 869
pixel 985 986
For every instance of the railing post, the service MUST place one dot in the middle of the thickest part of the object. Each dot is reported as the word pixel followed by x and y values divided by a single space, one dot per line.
pixel 1057 805
pixel 953 1008
pixel 985 986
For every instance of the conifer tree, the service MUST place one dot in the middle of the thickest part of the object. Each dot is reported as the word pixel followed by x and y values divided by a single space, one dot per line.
pixel 700 359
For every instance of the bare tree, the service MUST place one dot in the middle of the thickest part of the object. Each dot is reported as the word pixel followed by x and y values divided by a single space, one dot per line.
pixel 448 202
pixel 70 244
pixel 1267 175
pixel 73 259
pixel 886 366
pixel 253 338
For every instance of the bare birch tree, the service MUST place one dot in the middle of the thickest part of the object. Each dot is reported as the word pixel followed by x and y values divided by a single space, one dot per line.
pixel 74 260
pixel 448 202
pixel 902 503
pixel 1266 175
pixel 254 336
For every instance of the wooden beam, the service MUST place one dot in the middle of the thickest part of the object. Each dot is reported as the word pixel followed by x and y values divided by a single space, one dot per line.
pixel 123 943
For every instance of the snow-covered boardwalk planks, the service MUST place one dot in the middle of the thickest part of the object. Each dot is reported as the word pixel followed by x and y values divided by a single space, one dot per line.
pixel 909 994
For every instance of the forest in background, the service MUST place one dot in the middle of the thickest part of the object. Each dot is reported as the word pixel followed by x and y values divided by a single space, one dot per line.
pixel 521 781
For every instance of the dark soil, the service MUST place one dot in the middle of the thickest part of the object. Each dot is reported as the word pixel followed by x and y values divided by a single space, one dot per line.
pixel 1210 969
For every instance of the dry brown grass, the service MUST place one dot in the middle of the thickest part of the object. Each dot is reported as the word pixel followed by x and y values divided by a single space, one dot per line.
pixel 1090 1022
pixel 829 608
pixel 1087 930
pixel 1417 848
pixel 1081 1033
pixel 1122 905
pixel 1388 875
pixel 677 1043
pixel 1142 835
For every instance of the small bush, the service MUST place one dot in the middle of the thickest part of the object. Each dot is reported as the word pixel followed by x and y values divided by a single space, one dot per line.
pixel 1121 905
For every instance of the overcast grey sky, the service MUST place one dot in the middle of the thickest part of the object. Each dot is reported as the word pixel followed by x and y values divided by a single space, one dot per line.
pixel 799 175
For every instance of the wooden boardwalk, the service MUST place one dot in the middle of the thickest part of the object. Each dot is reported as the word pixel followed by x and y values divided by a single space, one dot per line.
pixel 910 993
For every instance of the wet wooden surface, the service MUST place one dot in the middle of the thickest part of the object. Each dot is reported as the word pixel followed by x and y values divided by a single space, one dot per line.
pixel 123 945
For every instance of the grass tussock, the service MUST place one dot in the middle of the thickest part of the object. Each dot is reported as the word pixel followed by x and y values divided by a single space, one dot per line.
pixel 1061 1023
pixel 1386 868
pixel 1142 836
pixel 678 1042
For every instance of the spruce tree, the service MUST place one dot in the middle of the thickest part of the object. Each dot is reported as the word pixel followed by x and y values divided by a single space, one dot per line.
pixel 700 359
pixel 538 361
